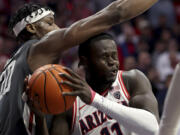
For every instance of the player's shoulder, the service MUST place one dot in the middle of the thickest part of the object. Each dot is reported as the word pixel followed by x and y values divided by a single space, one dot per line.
pixel 134 77
pixel 132 74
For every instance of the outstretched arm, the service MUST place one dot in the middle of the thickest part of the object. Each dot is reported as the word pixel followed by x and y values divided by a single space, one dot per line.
pixel 171 114
pixel 49 48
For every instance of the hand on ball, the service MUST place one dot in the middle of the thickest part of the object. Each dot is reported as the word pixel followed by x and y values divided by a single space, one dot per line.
pixel 31 103
pixel 80 87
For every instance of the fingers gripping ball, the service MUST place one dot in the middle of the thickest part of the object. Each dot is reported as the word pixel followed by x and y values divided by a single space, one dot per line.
pixel 46 90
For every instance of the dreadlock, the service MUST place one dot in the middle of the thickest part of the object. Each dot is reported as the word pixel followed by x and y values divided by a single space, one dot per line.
pixel 23 12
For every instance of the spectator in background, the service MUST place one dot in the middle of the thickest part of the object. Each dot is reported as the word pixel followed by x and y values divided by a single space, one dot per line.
pixel 145 33
pixel 162 24
pixel 3 25
pixel 130 63
pixel 160 47
pixel 98 4
pixel 10 47
pixel 153 76
pixel 80 10
pixel 161 94
pixel 165 35
pixel 127 40
pixel 176 32
pixel 3 60
pixel 167 60
pixel 144 62
pixel 143 46
pixel 1 44
pixel 165 8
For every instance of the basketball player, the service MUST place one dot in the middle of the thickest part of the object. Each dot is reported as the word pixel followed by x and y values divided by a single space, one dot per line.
pixel 171 115
pixel 118 103
pixel 43 42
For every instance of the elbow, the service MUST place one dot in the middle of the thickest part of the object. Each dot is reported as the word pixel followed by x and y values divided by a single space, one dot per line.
pixel 154 126
pixel 155 129
pixel 152 129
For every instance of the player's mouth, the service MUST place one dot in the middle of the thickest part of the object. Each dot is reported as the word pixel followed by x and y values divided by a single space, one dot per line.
pixel 113 72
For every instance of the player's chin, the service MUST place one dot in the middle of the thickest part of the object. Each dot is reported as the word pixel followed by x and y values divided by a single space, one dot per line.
pixel 110 79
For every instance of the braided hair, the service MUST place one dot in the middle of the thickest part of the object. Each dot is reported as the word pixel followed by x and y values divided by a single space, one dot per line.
pixel 23 12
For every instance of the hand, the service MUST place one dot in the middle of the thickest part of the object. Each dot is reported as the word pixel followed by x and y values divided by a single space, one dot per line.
pixel 31 103
pixel 80 87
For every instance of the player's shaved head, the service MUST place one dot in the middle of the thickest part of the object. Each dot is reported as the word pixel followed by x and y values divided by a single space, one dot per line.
pixel 85 46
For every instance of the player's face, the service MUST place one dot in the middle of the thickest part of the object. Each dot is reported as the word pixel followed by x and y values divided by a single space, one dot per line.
pixel 45 25
pixel 103 61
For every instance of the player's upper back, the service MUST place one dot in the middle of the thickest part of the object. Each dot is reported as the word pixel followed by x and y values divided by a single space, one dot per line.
pixel 11 87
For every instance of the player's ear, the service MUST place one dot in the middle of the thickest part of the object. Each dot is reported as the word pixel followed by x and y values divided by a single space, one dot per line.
pixel 31 28
pixel 82 61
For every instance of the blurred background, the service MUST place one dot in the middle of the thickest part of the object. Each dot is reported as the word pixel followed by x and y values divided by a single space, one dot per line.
pixel 150 42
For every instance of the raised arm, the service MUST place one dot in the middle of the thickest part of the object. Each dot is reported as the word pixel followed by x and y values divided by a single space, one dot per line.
pixel 49 48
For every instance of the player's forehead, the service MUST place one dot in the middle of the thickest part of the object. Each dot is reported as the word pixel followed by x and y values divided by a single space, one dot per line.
pixel 104 46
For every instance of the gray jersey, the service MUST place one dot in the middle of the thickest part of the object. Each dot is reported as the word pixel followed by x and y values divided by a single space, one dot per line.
pixel 11 88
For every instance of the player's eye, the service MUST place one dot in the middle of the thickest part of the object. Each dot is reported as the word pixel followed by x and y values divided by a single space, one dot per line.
pixel 105 56
pixel 50 23
pixel 114 56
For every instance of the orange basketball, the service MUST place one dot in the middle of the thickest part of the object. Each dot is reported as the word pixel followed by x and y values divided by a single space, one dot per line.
pixel 46 90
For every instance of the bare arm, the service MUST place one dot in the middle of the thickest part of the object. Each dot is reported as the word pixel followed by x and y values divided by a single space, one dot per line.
pixel 170 118
pixel 141 93
pixel 60 125
pixel 41 126
pixel 48 49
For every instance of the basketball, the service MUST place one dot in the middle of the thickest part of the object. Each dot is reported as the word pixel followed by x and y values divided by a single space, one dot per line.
pixel 46 90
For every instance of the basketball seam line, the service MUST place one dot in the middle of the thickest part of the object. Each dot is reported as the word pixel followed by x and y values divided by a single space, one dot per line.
pixel 59 88
pixel 45 93
pixel 35 80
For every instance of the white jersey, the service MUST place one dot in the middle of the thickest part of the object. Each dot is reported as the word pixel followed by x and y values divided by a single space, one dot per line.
pixel 87 120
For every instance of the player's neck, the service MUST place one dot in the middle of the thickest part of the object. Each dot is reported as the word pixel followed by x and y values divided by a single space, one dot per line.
pixel 98 86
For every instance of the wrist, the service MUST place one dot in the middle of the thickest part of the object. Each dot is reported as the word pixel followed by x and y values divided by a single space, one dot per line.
pixel 93 93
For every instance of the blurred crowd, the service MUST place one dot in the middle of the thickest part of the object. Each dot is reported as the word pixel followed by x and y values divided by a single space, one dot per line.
pixel 150 42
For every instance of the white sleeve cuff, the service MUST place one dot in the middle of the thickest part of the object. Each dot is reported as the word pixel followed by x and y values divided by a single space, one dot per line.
pixel 135 120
